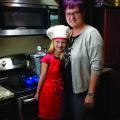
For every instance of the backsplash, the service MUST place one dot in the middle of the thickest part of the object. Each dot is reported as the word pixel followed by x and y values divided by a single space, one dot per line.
pixel 22 44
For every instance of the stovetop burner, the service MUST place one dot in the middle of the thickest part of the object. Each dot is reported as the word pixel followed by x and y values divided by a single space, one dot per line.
pixel 22 85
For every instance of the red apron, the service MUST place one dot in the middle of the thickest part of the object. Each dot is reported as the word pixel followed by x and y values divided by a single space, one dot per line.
pixel 50 99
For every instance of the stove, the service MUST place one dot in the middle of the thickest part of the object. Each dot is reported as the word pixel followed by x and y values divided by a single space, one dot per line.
pixel 16 76
pixel 21 84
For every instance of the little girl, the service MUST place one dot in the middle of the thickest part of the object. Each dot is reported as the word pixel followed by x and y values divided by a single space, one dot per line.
pixel 50 85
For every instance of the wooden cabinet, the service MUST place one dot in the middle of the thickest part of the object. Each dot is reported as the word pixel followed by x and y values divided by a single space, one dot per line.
pixel 8 109
pixel 106 20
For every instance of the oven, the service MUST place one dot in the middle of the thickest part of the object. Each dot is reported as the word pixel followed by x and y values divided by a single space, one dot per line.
pixel 22 81
pixel 26 104
pixel 27 107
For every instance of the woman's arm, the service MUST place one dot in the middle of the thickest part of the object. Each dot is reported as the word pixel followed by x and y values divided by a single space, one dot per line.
pixel 93 83
pixel 89 100
pixel 96 61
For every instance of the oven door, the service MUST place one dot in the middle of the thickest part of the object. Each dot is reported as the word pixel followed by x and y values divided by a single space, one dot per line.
pixel 27 107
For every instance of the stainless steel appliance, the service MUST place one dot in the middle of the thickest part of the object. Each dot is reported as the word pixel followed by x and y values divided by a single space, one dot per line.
pixel 26 17
pixel 16 76
pixel 27 106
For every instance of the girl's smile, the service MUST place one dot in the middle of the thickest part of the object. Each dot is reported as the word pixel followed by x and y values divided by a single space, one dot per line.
pixel 60 45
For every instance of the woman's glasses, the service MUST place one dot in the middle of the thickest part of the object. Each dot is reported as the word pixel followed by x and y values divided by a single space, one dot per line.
pixel 76 14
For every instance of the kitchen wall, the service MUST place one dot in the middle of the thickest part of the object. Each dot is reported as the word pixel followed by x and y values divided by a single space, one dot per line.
pixel 21 44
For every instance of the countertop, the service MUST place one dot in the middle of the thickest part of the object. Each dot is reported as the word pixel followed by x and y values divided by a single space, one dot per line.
pixel 5 93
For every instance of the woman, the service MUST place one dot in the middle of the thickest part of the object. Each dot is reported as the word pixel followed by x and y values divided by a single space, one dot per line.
pixel 82 63
pixel 50 86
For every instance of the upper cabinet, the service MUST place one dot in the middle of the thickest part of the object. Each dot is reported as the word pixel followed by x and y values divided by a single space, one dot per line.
pixel 106 20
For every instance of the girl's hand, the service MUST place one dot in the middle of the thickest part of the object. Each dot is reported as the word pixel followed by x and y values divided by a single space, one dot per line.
pixel 36 96
pixel 89 101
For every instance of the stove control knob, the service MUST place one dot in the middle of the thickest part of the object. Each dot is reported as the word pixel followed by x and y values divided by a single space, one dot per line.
pixel 3 63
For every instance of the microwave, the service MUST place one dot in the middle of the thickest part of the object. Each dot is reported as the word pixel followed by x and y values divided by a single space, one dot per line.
pixel 26 19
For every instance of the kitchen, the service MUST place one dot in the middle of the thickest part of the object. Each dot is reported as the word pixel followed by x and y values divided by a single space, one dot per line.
pixel 10 45
pixel 11 103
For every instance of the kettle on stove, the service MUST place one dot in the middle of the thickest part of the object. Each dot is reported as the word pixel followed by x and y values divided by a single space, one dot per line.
pixel 36 59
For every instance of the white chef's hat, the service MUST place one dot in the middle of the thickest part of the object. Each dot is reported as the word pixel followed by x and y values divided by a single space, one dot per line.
pixel 58 32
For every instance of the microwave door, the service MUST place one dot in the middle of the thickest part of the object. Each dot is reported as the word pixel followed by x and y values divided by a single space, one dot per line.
pixel 24 21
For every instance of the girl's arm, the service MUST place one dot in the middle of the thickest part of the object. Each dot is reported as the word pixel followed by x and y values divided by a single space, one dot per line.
pixel 44 68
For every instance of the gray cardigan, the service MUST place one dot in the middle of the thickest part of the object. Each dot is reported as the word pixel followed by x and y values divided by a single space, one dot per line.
pixel 86 57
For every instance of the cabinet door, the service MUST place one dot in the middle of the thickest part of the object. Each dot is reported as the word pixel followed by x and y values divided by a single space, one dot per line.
pixel 106 20
pixel 112 36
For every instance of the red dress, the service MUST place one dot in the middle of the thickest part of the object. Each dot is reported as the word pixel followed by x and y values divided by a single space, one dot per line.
pixel 50 99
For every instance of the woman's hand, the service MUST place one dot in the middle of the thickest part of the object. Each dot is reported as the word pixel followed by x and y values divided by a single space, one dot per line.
pixel 89 101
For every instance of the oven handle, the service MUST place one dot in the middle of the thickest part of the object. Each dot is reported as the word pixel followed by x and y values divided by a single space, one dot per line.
pixel 28 100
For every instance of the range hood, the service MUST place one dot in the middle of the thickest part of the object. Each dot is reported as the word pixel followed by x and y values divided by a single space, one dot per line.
pixel 21 30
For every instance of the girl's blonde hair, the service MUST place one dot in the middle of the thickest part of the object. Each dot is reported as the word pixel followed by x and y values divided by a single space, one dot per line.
pixel 51 49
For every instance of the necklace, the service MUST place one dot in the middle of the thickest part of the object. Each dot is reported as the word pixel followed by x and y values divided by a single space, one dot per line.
pixel 78 31
pixel 67 53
